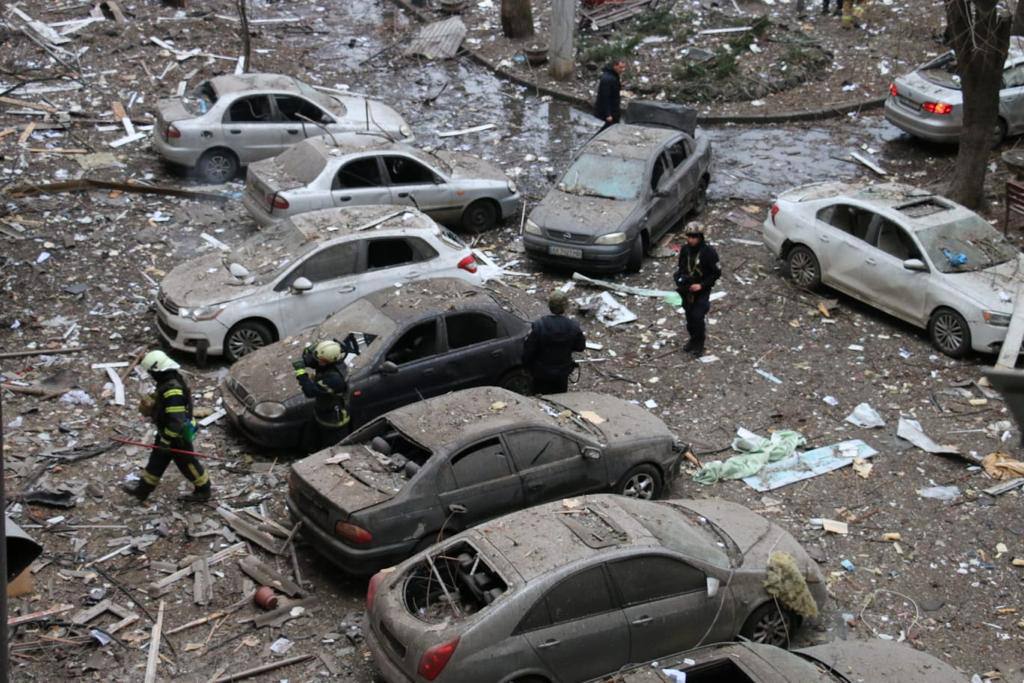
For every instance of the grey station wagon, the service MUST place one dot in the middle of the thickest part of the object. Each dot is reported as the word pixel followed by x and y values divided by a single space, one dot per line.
pixel 579 588
pixel 442 465
pixel 230 121
pixel 426 338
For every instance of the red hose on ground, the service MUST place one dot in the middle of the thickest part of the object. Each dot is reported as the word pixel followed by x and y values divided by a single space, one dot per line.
pixel 172 450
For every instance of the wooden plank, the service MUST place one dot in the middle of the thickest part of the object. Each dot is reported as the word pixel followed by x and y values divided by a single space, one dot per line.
pixel 263 668
pixel 118 386
pixel 1010 349
pixel 263 574
pixel 38 616
pixel 249 531
pixel 118 109
pixel 28 105
pixel 202 588
pixel 158 588
pixel 154 646
pixel 89 613
pixel 1004 486
pixel 26 133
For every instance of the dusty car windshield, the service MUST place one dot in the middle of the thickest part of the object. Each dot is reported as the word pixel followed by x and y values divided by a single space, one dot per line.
pixel 301 163
pixel 267 254
pixel 594 175
pixel 329 103
pixel 697 538
pixel 200 100
pixel 965 245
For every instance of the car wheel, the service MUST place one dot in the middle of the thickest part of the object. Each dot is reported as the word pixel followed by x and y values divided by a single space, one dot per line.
pixel 636 255
pixel 700 202
pixel 802 267
pixel 518 381
pixel 998 132
pixel 770 624
pixel 218 165
pixel 246 337
pixel 479 216
pixel 949 333
pixel 643 482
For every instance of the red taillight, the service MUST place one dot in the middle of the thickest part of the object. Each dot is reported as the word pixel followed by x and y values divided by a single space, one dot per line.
pixel 775 210
pixel 893 90
pixel 276 201
pixel 371 589
pixel 352 533
pixel 937 107
pixel 434 660
pixel 468 263
pixel 171 132
pixel 357 393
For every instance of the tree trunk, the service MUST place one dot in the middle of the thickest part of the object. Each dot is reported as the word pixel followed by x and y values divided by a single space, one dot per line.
pixel 980 35
pixel 243 30
pixel 562 51
pixel 1018 20
pixel 516 18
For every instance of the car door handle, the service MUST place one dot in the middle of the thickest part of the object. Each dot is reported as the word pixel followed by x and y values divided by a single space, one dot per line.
pixel 347 289
pixel 641 621
pixel 293 131
pixel 548 643
pixel 823 238
pixel 344 199
pixel 428 371
pixel 871 261
pixel 234 131
pixel 403 194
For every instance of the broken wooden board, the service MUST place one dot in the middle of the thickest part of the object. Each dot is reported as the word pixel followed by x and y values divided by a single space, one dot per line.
pixel 263 574
pixel 161 586
pixel 202 589
pixel 249 531
pixel 86 184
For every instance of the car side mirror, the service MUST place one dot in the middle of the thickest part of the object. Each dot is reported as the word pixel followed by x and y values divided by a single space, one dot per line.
pixel 915 264
pixel 713 585
pixel 301 285
pixel 388 368
pixel 591 453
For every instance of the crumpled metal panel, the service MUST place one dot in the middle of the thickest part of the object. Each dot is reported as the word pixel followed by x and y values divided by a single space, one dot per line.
pixel 439 40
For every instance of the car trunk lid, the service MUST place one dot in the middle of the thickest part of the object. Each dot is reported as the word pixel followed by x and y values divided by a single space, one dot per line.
pixel 171 109
pixel 930 85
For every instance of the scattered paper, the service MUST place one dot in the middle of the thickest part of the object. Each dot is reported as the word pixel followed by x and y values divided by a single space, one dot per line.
pixel 910 430
pixel 592 417
pixel 865 416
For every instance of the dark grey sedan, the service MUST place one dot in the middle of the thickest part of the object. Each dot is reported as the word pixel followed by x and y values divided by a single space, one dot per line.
pixel 626 188
pixel 442 465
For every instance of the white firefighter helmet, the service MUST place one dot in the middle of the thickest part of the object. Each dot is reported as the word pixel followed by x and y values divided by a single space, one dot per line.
pixel 328 351
pixel 158 361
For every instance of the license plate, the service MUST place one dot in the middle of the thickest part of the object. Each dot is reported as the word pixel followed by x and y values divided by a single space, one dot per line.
pixel 567 252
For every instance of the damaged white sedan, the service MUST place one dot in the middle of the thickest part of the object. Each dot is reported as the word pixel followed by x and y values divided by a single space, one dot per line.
pixel 915 255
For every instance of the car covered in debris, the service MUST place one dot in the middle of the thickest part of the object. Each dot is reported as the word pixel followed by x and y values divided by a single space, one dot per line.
pixel 451 187
pixel 232 120
pixel 836 662
pixel 928 102
pixel 582 587
pixel 442 465
pixel 232 301
pixel 915 255
pixel 419 341
pixel 628 186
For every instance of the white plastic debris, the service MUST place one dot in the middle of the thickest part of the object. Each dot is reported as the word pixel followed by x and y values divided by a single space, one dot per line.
pixel 281 645
pixel 911 431
pixel 946 494
pixel 675 675
pixel 77 397
pixel 865 416
pixel 768 376
pixel 831 400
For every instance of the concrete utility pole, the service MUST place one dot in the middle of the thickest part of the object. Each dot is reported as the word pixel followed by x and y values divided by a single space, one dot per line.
pixel 4 659
pixel 562 52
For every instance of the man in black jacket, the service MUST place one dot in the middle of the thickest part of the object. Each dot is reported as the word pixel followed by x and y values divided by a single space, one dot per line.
pixel 607 108
pixel 695 277
pixel 547 352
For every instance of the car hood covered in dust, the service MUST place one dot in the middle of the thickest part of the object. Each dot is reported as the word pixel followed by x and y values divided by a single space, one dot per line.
pixel 267 373
pixel 993 287
pixel 469 167
pixel 755 536
pixel 859 660
pixel 581 214
pixel 203 281
pixel 624 423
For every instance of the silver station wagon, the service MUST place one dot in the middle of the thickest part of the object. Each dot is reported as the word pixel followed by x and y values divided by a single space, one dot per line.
pixel 452 188
pixel 230 121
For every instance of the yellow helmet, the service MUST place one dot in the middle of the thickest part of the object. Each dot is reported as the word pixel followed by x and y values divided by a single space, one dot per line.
pixel 158 361
pixel 328 351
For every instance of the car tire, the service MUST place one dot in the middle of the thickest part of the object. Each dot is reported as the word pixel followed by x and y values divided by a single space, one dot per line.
pixel 246 337
pixel 480 216
pixel 517 380
pixel 999 132
pixel 643 482
pixel 218 165
pixel 636 255
pixel 803 268
pixel 770 624
pixel 949 333
pixel 700 202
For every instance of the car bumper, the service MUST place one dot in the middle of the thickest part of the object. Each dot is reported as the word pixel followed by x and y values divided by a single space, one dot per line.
pixel 350 560
pixel 942 129
pixel 285 434
pixel 183 156
pixel 391 672
pixel 773 237
pixel 511 205
pixel 986 338
pixel 183 334
pixel 258 212
pixel 593 258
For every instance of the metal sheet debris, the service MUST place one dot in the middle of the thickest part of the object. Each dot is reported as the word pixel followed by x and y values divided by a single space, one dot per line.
pixel 439 40
pixel 809 464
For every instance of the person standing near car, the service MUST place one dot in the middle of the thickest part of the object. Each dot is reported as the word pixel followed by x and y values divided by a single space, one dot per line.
pixel 608 104
pixel 328 388
pixel 548 349
pixel 695 277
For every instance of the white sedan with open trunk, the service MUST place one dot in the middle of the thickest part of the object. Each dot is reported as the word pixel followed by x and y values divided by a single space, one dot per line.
pixel 915 255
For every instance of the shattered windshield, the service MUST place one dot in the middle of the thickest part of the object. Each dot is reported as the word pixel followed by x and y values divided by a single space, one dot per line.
pixel 363 318
pixel 302 162
pixel 265 255
pixel 555 409
pixel 200 100
pixel 331 104
pixel 593 175
pixel 965 245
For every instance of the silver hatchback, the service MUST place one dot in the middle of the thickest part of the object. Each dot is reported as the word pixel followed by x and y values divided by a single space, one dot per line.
pixel 230 121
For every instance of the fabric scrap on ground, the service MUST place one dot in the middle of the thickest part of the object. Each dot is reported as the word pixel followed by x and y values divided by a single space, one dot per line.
pixel 756 452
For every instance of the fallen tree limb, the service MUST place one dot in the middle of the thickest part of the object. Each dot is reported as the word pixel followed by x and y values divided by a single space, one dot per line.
pixel 264 668
pixel 87 184
pixel 42 352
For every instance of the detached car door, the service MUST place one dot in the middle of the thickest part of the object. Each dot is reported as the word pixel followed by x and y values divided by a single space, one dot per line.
pixel 552 465
pixel 482 484
pixel 889 285
pixel 334 273
pixel 250 129
pixel 360 181
pixel 414 184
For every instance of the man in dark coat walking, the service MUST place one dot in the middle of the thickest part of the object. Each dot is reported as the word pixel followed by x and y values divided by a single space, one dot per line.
pixel 607 108
pixel 695 277
pixel 547 352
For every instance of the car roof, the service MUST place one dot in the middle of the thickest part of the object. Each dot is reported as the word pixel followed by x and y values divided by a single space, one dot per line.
pixel 446 294
pixel 354 143
pixel 916 208
pixel 628 141
pixel 326 224
pixel 232 83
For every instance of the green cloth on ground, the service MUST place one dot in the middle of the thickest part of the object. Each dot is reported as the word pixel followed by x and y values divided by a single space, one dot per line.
pixel 756 452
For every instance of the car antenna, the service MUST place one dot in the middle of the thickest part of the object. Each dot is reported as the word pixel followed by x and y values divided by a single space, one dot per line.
pixel 321 127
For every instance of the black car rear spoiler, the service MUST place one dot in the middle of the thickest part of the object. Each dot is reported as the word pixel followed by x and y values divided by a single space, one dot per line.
pixel 662 115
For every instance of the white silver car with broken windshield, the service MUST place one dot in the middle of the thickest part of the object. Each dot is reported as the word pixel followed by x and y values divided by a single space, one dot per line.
pixel 230 121
pixel 452 188
pixel 915 255
pixel 278 283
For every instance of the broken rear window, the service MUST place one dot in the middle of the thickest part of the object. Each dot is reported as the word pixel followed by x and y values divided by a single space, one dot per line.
pixel 452 583
pixel 402 454
pixel 593 175
pixel 964 245
pixel 200 100
pixel 360 317
pixel 301 162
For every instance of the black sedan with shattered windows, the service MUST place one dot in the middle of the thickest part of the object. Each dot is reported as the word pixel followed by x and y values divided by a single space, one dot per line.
pixel 423 339
pixel 628 186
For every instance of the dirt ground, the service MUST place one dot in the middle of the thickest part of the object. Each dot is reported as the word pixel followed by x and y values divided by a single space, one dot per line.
pixel 80 270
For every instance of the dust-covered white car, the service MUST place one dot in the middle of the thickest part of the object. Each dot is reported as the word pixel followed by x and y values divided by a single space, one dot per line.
pixel 280 282
pixel 915 255
pixel 230 121
pixel 451 187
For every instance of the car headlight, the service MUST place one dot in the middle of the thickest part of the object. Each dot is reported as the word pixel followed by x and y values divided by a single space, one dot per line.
pixel 998 319
pixel 271 410
pixel 532 228
pixel 405 130
pixel 611 238
pixel 512 187
pixel 202 312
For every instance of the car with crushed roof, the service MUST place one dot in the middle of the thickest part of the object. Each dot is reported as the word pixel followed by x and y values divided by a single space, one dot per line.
pixel 581 587
pixel 439 466
pixel 627 187
pixel 233 120
pixel 841 661
pixel 911 253
pixel 416 341
pixel 453 188
pixel 232 301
